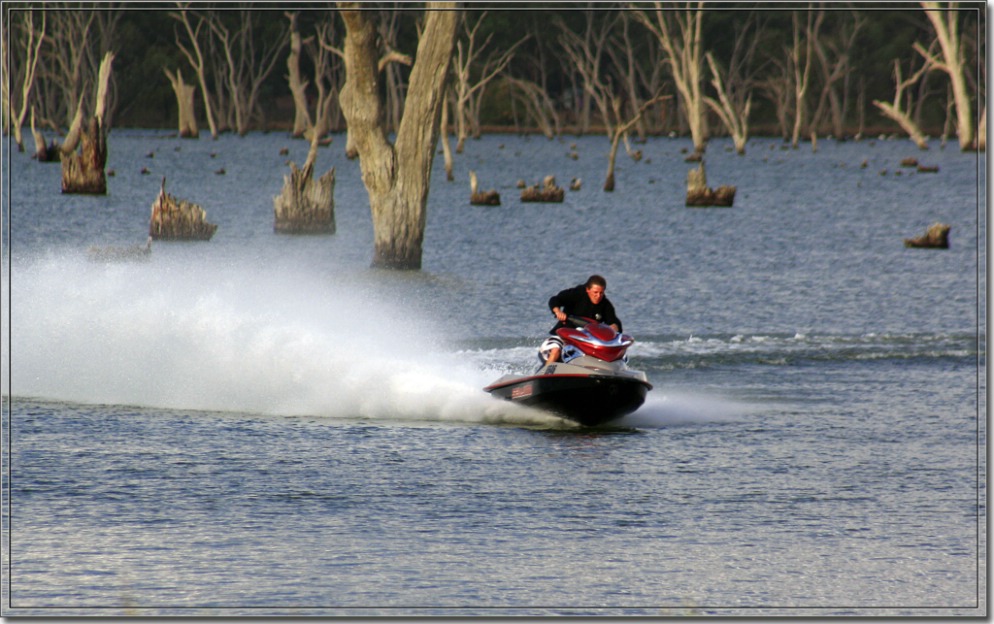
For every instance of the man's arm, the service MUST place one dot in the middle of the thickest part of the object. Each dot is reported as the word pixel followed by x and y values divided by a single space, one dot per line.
pixel 561 300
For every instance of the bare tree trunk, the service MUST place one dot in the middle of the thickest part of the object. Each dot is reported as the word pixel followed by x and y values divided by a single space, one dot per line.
pixel 946 24
pixel 619 132
pixel 195 57
pixel 69 43
pixel 467 56
pixel 680 34
pixel 896 109
pixel 777 90
pixel 184 103
pixel 537 104
pixel 802 75
pixel 834 61
pixel 444 129
pixel 298 86
pixel 735 118
pixel 32 54
pixel 245 70
pixel 397 177
pixel 83 172
pixel 624 56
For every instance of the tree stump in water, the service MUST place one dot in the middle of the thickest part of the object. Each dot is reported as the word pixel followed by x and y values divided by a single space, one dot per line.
pixel 306 206
pixel 699 195
pixel 174 219
pixel 935 237
pixel 83 171
pixel 481 198
pixel 549 192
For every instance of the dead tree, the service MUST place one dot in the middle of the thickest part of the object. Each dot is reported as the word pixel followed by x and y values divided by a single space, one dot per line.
pixel 734 84
pixel 680 35
pixel 800 58
pixel 397 176
pixel 776 88
pixel 244 68
pixel 952 62
pixel 834 55
pixel 620 131
pixel 443 129
pixel 69 44
pixel 468 56
pixel 587 54
pixel 898 110
pixel 298 86
pixel 178 219
pixel 184 103
pixel 625 59
pixel 387 30
pixel 29 53
pixel 735 115
pixel 320 48
pixel 195 57
pixel 537 103
pixel 83 171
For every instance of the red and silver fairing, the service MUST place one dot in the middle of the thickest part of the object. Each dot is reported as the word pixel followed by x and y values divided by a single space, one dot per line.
pixel 593 384
pixel 597 340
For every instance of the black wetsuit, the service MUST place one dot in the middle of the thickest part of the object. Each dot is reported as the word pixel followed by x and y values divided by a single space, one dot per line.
pixel 574 301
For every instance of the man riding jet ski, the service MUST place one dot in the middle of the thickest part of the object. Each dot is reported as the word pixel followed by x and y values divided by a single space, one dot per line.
pixel 586 300
pixel 584 376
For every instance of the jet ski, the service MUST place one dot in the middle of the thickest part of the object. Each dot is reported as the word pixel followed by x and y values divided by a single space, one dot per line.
pixel 592 384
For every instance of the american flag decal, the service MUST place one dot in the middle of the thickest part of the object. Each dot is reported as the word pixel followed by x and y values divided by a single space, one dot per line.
pixel 522 391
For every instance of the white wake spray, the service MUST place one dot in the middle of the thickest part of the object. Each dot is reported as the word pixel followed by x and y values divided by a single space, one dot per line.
pixel 244 337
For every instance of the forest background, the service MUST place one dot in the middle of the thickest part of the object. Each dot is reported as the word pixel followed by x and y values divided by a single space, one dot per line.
pixel 819 69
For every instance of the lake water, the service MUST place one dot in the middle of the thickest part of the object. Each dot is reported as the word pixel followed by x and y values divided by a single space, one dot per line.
pixel 263 425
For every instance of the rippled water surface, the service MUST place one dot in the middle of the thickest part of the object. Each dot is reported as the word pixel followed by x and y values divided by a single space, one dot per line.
pixel 263 425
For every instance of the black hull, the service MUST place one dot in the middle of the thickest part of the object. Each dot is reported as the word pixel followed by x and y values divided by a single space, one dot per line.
pixel 589 400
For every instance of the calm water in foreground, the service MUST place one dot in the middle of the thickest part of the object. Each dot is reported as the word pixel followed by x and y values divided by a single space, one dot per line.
pixel 262 425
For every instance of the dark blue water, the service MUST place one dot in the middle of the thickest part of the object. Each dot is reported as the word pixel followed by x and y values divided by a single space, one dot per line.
pixel 263 425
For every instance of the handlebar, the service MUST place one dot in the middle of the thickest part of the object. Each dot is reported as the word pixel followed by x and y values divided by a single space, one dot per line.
pixel 578 321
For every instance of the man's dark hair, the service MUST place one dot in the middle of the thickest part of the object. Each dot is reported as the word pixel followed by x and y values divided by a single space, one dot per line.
pixel 596 280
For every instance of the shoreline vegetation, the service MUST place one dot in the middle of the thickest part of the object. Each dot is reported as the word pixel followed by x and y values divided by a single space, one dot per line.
pixel 844 71
pixel 872 132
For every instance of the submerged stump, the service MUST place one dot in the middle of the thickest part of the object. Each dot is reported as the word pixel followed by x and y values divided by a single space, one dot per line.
pixel 178 219
pixel 935 237
pixel 548 192
pixel 83 171
pixel 306 205
pixel 700 195
pixel 481 198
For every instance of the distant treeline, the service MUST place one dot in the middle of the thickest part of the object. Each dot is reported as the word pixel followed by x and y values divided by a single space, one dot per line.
pixel 518 67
